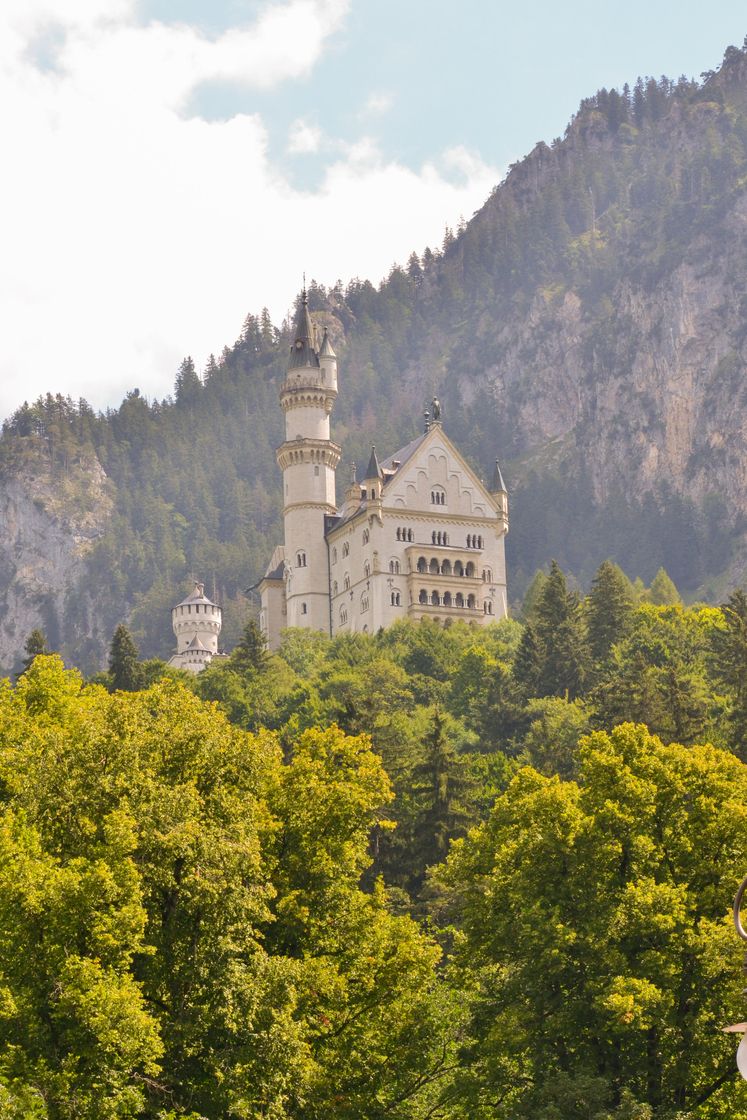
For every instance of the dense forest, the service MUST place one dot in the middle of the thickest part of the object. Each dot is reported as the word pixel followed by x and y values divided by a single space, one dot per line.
pixel 459 873
pixel 587 325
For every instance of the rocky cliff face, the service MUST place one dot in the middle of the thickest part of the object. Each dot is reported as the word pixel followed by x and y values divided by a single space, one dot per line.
pixel 47 529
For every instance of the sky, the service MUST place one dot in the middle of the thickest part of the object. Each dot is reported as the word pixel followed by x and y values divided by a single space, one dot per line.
pixel 169 166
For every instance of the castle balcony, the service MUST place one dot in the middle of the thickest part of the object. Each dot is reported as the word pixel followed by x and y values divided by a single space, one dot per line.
pixel 447 563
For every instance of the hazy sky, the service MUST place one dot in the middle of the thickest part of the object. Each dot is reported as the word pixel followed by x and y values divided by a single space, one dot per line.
pixel 170 165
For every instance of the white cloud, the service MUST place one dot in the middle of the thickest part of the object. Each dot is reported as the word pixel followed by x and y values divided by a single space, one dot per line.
pixel 378 103
pixel 303 138
pixel 132 235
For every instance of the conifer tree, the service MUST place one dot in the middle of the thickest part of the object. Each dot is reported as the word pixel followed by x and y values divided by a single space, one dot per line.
pixel 730 665
pixel 609 609
pixel 124 668
pixel 439 785
pixel 36 644
pixel 559 630
pixel 250 655
pixel 662 592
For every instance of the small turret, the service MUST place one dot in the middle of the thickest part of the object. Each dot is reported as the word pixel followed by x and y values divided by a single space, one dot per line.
pixel 328 362
pixel 196 622
pixel 372 480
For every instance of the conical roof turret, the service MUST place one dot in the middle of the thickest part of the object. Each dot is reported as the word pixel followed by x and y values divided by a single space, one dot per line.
pixel 373 470
pixel 498 486
pixel 326 350
pixel 303 350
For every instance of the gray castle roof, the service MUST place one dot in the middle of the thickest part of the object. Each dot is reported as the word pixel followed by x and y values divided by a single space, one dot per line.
pixel 197 596
pixel 303 351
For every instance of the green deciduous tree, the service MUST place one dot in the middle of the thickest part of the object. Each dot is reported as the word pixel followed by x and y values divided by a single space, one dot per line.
pixel 597 940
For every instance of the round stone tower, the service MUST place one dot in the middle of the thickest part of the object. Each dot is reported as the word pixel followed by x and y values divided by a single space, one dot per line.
pixel 196 622
pixel 308 460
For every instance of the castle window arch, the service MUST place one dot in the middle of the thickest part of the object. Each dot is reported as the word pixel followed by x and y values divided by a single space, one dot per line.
pixel 365 536
pixel 334 555
pixel 395 598
pixel 433 567
pixel 447 598
pixel 346 582
pixel 459 599
pixel 471 602
pixel 345 550
pixel 394 567
pixel 343 615
pixel 300 559
pixel 438 496
pixel 303 608
pixel 423 596
pixel 364 602
pixel 422 564
pixel 334 588
pixel 446 568
pixel 469 571
pixel 367 569
pixel 435 599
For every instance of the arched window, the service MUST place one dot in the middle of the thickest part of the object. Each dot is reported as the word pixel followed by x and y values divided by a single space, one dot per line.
pixel 300 559
pixel 447 598
pixel 373 495
pixel 438 496
pixel 364 603
pixel 446 568
pixel 490 607
pixel 394 567
pixel 459 599
pixel 433 567
pixel 435 599
pixel 365 536
pixel 458 568
pixel 345 550
pixel 303 608
pixel 343 615
pixel 395 599
pixel 367 569
pixel 471 602
pixel 469 571
pixel 334 555
pixel 423 597
pixel 346 582
pixel 422 564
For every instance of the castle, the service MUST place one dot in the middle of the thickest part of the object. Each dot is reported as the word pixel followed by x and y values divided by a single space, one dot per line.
pixel 419 536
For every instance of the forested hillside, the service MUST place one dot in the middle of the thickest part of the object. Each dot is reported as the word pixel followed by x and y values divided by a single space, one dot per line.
pixel 587 325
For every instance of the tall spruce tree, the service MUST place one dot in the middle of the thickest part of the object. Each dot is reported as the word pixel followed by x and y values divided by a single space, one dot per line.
pixel 36 644
pixel 440 783
pixel 124 668
pixel 563 652
pixel 730 666
pixel 609 609
pixel 250 655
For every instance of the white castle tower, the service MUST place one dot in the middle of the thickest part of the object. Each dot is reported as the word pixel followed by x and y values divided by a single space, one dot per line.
pixel 196 622
pixel 308 460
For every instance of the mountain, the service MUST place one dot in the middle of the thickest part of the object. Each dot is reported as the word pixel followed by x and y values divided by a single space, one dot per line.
pixel 588 325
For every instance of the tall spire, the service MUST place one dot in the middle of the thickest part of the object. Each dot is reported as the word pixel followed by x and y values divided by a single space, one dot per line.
pixel 303 348
pixel 499 486
pixel 373 470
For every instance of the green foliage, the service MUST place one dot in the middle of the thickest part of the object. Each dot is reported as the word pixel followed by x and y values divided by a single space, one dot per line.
pixel 596 935
pixel 182 925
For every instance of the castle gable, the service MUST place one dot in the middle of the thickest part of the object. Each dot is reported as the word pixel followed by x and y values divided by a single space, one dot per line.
pixel 433 476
